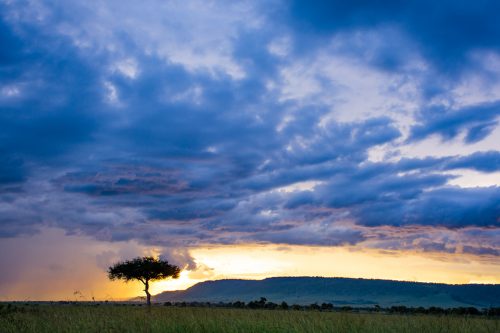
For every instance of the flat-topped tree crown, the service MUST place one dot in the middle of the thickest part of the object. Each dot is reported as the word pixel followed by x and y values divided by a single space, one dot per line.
pixel 143 269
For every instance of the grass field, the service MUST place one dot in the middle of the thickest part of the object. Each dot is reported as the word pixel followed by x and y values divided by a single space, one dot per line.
pixel 109 318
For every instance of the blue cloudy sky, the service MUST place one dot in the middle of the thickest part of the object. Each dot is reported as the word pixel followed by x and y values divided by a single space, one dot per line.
pixel 178 124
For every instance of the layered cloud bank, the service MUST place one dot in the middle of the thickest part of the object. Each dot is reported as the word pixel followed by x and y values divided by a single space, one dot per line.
pixel 179 124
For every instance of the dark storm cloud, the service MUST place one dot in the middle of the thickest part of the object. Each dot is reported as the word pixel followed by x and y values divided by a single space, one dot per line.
pixel 54 97
pixel 381 197
pixel 446 31
pixel 349 140
pixel 449 207
pixel 323 235
pixel 477 121
pixel 483 161
pixel 472 240
pixel 105 134
pixel 481 250
pixel 11 169
pixel 488 161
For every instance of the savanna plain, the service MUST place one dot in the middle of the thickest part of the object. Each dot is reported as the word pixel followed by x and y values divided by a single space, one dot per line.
pixel 110 318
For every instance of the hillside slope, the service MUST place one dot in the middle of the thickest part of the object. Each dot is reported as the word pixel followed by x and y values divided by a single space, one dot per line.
pixel 339 291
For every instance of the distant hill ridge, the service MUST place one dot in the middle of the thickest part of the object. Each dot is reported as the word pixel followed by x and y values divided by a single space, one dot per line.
pixel 339 291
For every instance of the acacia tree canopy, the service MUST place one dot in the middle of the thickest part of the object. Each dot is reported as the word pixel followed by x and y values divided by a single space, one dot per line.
pixel 143 269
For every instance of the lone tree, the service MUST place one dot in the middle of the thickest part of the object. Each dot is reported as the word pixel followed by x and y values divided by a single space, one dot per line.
pixel 144 269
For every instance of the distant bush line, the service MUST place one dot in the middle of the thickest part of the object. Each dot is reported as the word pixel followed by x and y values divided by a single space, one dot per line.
pixel 264 304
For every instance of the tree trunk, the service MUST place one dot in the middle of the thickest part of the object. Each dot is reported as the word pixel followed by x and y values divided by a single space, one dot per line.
pixel 148 295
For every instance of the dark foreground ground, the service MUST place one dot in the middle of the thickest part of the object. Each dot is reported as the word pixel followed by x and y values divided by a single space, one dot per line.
pixel 109 318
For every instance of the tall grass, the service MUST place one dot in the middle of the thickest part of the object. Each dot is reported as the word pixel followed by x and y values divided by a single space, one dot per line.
pixel 109 318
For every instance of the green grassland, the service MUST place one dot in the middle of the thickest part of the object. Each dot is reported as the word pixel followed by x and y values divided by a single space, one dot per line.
pixel 110 318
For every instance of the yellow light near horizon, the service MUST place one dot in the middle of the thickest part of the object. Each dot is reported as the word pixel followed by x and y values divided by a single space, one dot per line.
pixel 79 264
pixel 245 261
pixel 180 283
pixel 260 261
pixel 254 261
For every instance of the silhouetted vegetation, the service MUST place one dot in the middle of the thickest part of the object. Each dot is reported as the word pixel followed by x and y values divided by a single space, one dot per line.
pixel 262 303
pixel 143 269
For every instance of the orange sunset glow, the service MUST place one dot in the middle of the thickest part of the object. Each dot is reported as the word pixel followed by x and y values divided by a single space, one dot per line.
pixel 81 266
